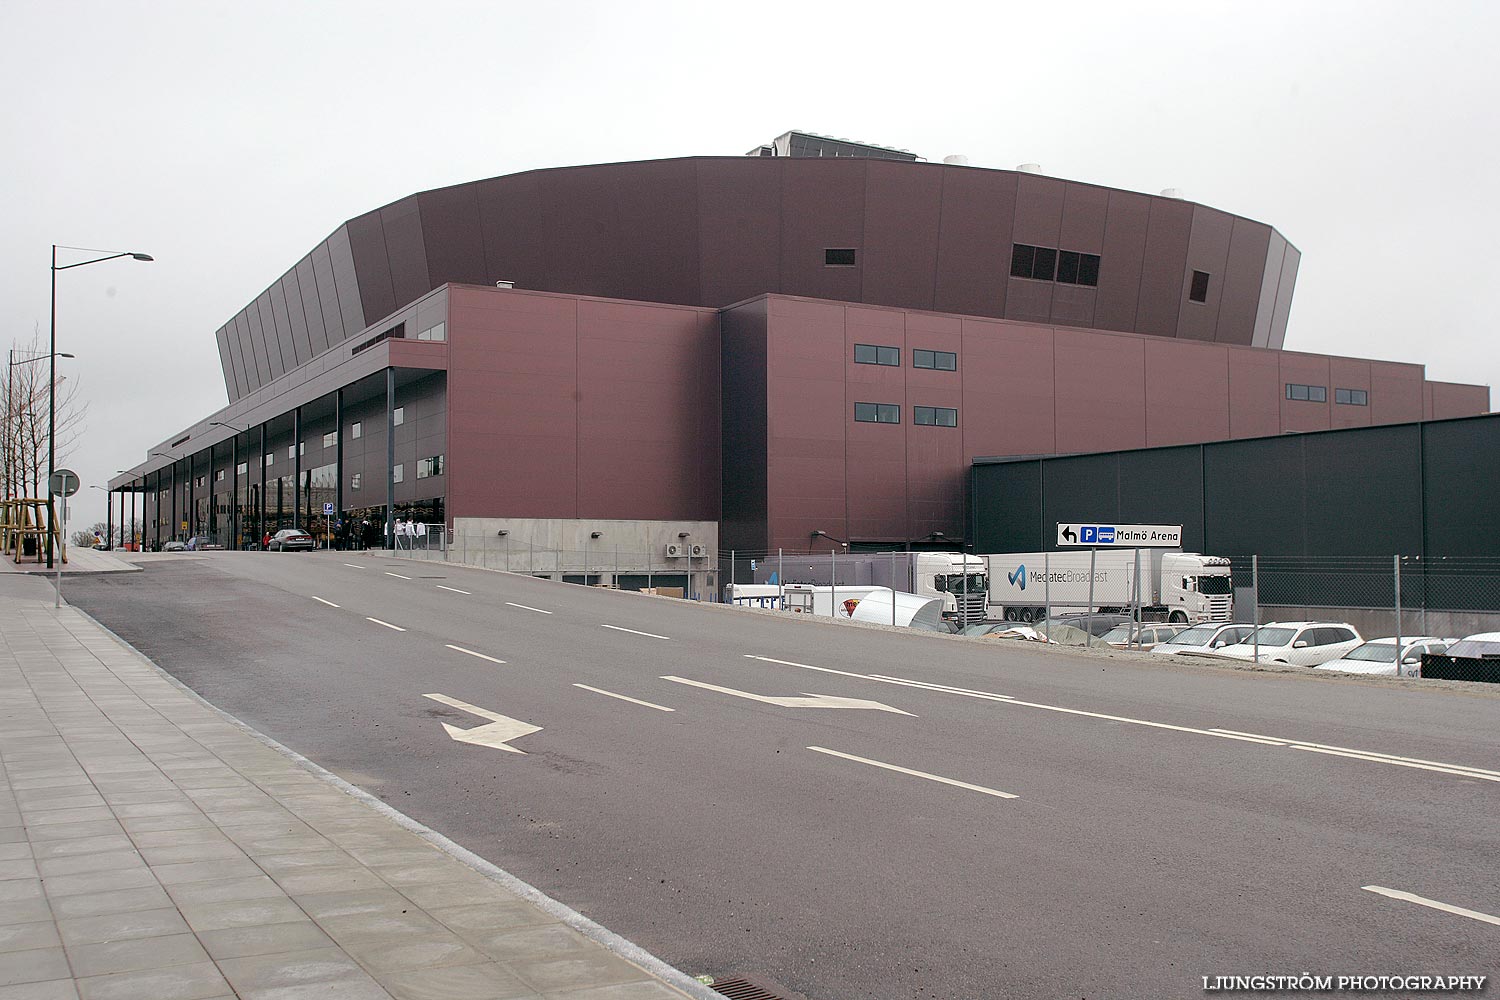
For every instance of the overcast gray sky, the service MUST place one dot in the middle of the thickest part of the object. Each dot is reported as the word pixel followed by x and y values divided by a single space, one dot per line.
pixel 227 140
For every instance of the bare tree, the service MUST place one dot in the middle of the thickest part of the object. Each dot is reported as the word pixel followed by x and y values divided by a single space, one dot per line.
pixel 23 433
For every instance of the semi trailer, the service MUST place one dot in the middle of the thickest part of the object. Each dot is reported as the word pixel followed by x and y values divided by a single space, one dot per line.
pixel 1175 586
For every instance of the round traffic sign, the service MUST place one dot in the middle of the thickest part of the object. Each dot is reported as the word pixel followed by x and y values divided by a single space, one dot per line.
pixel 63 482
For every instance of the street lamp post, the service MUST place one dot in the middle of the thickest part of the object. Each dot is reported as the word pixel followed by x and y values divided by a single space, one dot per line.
pixel 52 348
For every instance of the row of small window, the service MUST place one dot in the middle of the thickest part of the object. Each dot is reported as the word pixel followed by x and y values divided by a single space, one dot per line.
pixel 872 354
pixel 890 413
pixel 1319 394
pixel 426 468
pixel 1066 267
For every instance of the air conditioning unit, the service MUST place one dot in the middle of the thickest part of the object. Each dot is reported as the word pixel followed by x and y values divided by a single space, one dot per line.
pixel 674 550
pixel 699 551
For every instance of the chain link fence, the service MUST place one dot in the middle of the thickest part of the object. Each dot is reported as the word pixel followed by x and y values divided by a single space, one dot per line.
pixel 1406 599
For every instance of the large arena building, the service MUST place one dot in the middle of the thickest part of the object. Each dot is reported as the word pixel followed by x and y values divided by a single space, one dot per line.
pixel 801 347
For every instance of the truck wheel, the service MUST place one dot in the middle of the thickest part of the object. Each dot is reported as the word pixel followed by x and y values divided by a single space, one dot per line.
pixel 1010 614
pixel 1026 615
pixel 1179 618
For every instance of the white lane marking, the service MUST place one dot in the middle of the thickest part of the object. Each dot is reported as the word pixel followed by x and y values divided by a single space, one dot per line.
pixel 806 666
pixel 455 590
pixel 918 774
pixel 1398 763
pixel 1424 901
pixel 1442 767
pixel 806 701
pixel 649 635
pixel 472 653
pixel 1377 755
pixel 524 607
pixel 633 701
pixel 397 575
pixel 352 566
pixel 494 734
pixel 329 603
pixel 377 621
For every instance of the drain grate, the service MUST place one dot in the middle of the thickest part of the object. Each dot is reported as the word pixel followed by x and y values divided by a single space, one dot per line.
pixel 740 988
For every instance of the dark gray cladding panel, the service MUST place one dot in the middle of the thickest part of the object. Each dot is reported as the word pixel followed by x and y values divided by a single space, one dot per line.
pixel 346 283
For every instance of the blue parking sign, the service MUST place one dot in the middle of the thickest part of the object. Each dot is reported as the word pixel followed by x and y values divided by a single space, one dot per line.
pixel 328 510
pixel 1088 535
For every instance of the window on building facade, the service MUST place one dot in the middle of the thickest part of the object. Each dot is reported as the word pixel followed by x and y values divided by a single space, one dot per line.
pixel 839 257
pixel 356 429
pixel 354 480
pixel 400 415
pixel 430 467
pixel 1307 393
pixel 871 354
pixel 1066 267
pixel 269 460
pixel 877 413
pixel 242 468
pixel 1199 291
pixel 433 333
pixel 330 439
pixel 1351 397
pixel 934 416
pixel 944 361
pixel 398 474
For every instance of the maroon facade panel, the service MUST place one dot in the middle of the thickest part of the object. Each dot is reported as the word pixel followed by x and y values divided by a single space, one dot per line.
pixel 712 231
pixel 571 407
pixel 1019 389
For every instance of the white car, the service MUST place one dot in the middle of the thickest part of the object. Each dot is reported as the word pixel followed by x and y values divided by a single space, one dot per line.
pixel 1302 644
pixel 1480 646
pixel 1210 637
pixel 1378 656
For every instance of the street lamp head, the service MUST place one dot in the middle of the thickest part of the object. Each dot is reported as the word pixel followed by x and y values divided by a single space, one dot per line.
pixel 64 355
pixel 142 256
pixel 595 534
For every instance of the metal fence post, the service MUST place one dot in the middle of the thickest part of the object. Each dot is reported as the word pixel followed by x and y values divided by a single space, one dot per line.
pixel 1400 667
pixel 1255 586
pixel 893 587
pixel 1090 629
pixel 617 565
pixel 834 593
pixel 780 584
pixel 731 573
pixel 1046 587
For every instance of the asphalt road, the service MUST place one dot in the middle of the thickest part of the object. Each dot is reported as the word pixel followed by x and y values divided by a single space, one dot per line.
pixel 1169 822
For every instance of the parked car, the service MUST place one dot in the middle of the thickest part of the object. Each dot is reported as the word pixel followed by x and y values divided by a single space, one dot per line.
pixel 174 546
pixel 202 543
pixel 1480 646
pixel 1378 656
pixel 288 539
pixel 1303 644
pixel 1139 636
pixel 1209 637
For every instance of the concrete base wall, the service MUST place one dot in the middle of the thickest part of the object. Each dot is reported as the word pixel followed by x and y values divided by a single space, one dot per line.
pixel 1379 623
pixel 629 554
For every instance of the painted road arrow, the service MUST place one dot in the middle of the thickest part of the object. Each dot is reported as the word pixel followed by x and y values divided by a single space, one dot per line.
pixel 806 701
pixel 497 733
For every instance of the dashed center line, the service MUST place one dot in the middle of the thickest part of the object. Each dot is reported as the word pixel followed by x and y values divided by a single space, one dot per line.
pixel 524 607
pixel 1434 904
pixel 649 635
pixel 917 774
pixel 472 653
pixel 397 575
pixel 455 590
pixel 633 701
pixel 319 599
pixel 377 621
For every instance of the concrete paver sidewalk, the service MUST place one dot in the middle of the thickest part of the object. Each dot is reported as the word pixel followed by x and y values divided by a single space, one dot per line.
pixel 152 849
pixel 80 560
